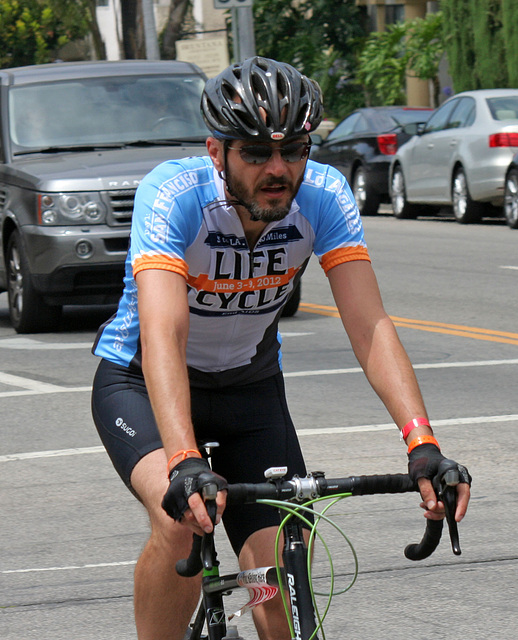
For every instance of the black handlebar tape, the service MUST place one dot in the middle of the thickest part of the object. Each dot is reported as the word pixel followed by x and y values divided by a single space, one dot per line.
pixel 191 566
pixel 370 485
pixel 429 543
pixel 247 493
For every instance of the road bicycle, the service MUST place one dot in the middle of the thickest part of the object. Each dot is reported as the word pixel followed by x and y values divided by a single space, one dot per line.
pixel 297 497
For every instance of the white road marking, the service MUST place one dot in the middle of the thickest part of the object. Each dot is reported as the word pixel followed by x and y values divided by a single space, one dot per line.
pixel 72 567
pixel 301 432
pixel 433 365
pixel 30 386
pixel 57 453
pixel 364 428
pixel 30 344
pixel 510 266
pixel 296 334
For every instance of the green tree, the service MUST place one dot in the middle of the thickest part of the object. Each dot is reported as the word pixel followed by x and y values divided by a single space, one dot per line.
pixel 318 37
pixel 510 32
pixel 405 48
pixel 481 43
pixel 32 31
pixel 460 44
pixel 424 48
pixel 382 66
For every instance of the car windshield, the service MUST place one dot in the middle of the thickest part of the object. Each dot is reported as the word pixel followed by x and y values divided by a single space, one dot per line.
pixel 110 111
pixel 504 107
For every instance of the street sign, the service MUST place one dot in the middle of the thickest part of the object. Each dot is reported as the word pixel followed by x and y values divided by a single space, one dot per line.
pixel 232 4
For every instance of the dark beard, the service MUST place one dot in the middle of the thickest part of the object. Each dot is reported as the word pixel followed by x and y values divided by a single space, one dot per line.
pixel 257 213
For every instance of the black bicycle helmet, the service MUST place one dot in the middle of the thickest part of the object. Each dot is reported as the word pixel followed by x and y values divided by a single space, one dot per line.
pixel 261 99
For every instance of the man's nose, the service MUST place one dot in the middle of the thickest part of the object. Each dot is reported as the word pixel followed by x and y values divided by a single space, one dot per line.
pixel 276 164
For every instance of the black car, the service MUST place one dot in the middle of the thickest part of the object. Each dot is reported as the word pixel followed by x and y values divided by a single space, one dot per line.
pixel 361 146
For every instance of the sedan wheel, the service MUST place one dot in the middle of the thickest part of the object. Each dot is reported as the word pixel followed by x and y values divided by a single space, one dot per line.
pixel 401 208
pixel 27 310
pixel 511 199
pixel 465 209
pixel 368 202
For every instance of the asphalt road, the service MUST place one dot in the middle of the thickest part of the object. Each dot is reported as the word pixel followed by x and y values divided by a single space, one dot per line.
pixel 71 533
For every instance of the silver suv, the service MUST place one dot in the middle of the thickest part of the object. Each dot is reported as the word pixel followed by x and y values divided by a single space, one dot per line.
pixel 75 140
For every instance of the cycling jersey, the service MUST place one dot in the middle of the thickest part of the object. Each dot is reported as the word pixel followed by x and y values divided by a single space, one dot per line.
pixel 183 223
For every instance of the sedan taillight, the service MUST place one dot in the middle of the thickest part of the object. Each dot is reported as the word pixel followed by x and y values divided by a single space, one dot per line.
pixel 503 140
pixel 387 144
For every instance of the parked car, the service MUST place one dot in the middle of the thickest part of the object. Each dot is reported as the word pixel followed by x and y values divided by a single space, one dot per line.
pixel 361 147
pixel 459 158
pixel 511 194
pixel 75 141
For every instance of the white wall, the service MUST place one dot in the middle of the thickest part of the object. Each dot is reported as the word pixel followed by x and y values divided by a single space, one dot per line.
pixel 108 17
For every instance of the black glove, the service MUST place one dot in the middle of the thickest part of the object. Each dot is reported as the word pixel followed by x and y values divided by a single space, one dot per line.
pixel 188 477
pixel 424 461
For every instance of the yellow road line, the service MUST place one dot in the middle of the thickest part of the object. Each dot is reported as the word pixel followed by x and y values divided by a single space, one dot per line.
pixel 475 333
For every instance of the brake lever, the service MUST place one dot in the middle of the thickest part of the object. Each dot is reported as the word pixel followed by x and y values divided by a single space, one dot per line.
pixel 445 486
pixel 209 493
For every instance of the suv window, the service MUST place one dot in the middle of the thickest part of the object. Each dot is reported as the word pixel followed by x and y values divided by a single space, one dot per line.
pixel 105 110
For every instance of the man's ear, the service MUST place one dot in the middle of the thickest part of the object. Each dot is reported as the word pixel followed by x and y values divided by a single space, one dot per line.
pixel 216 153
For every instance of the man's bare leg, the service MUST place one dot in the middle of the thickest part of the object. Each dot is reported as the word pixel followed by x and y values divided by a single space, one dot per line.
pixel 163 600
pixel 269 618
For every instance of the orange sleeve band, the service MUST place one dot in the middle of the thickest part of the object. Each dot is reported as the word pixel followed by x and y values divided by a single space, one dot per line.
pixel 344 254
pixel 166 263
pixel 422 440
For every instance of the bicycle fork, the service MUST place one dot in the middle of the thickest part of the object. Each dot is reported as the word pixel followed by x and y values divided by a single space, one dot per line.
pixel 295 557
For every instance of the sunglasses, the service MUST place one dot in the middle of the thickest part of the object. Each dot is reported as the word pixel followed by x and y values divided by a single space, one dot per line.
pixel 261 153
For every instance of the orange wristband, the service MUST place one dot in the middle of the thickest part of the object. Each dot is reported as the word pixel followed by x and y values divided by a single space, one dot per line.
pixel 422 440
pixel 183 453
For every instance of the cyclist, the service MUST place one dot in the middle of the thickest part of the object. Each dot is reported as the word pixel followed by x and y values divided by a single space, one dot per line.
pixel 218 243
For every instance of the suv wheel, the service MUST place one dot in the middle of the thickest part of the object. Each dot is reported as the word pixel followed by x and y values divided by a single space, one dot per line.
pixel 368 202
pixel 465 209
pixel 511 199
pixel 401 208
pixel 27 310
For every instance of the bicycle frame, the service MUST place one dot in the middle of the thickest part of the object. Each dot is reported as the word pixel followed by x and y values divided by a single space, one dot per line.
pixel 295 579
pixel 211 610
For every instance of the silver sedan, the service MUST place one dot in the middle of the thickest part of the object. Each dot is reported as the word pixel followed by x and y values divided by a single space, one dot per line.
pixel 459 158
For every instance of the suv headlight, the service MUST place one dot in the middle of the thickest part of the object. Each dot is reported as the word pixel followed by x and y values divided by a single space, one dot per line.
pixel 70 208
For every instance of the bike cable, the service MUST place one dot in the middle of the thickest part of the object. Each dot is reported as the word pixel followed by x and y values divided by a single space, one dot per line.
pixel 298 511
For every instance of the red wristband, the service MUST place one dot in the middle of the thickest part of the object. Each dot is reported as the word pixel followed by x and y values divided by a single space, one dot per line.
pixel 422 440
pixel 415 422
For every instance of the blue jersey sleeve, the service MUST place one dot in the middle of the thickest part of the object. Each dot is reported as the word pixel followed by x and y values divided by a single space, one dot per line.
pixel 332 211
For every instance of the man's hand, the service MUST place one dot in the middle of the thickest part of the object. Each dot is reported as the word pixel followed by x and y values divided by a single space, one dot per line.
pixel 183 501
pixel 423 464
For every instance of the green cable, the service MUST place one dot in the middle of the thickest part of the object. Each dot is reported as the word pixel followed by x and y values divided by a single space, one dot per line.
pixel 295 511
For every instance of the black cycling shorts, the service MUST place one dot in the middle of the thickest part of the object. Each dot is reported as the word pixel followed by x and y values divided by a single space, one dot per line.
pixel 251 423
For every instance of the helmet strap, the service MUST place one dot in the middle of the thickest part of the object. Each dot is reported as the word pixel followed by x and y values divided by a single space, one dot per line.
pixel 223 176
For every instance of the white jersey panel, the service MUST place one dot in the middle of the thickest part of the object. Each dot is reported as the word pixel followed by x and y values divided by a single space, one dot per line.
pixel 182 223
